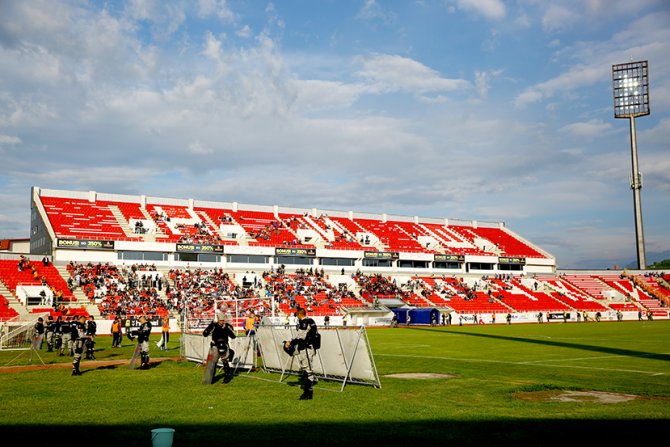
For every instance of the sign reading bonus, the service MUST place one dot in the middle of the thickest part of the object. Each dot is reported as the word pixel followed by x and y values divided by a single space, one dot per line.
pixel 511 260
pixel 393 255
pixel 83 244
pixel 449 258
pixel 199 248
pixel 295 252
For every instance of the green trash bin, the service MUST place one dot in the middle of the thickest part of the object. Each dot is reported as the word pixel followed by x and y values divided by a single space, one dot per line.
pixel 162 437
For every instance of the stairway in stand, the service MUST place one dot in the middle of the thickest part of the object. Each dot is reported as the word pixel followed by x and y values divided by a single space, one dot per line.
pixel 12 301
pixel 82 299
pixel 123 222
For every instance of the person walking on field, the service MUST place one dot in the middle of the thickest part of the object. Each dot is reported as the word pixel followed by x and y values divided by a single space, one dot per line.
pixel 165 333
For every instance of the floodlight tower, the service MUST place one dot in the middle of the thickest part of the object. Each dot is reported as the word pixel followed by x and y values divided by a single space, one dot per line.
pixel 630 84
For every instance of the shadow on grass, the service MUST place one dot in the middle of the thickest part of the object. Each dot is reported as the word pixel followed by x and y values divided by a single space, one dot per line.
pixel 536 432
pixel 555 343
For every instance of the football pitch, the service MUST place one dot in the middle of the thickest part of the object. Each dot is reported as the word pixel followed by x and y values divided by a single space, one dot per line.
pixel 524 384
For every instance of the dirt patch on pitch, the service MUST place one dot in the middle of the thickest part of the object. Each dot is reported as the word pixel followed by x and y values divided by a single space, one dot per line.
pixel 595 397
pixel 85 364
pixel 420 376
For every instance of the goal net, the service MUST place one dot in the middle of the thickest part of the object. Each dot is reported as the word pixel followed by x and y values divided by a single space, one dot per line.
pixel 195 347
pixel 18 335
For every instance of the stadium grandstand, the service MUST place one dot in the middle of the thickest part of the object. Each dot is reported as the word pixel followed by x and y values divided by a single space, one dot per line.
pixel 112 255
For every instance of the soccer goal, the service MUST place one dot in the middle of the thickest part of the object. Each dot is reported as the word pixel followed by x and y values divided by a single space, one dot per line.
pixel 18 335
pixel 195 347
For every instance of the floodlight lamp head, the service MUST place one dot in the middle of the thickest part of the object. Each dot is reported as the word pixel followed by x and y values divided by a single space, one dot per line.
pixel 630 85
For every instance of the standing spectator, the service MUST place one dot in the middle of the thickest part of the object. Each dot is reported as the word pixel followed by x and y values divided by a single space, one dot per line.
pixel 165 332
pixel 249 325
pixel 117 334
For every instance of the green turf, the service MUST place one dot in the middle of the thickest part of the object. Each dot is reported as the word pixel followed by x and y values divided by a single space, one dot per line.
pixel 502 388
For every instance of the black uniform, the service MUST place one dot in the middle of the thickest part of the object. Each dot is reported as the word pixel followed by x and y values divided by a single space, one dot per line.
pixel 306 342
pixel 66 338
pixel 50 331
pixel 78 334
pixel 91 329
pixel 58 334
pixel 38 333
pixel 143 333
pixel 220 333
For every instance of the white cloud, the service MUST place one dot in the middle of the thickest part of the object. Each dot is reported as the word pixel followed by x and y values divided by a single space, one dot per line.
pixel 578 76
pixel 245 31
pixel 371 10
pixel 217 8
pixel 491 9
pixel 315 95
pixel 591 129
pixel 558 17
pixel 140 9
pixel 213 49
pixel 397 73
pixel 7 139
pixel 198 148
pixel 482 81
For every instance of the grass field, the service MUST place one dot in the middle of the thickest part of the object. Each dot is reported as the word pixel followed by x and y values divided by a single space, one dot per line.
pixel 530 384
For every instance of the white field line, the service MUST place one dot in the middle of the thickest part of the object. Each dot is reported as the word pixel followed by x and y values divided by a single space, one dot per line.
pixel 536 363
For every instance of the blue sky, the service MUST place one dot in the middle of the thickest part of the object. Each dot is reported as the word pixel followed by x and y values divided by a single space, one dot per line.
pixel 468 109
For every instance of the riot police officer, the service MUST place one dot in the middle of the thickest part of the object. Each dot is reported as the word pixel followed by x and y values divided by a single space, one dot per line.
pixel 66 337
pixel 79 337
pixel 307 340
pixel 49 333
pixel 143 333
pixel 58 335
pixel 38 334
pixel 91 329
pixel 220 331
